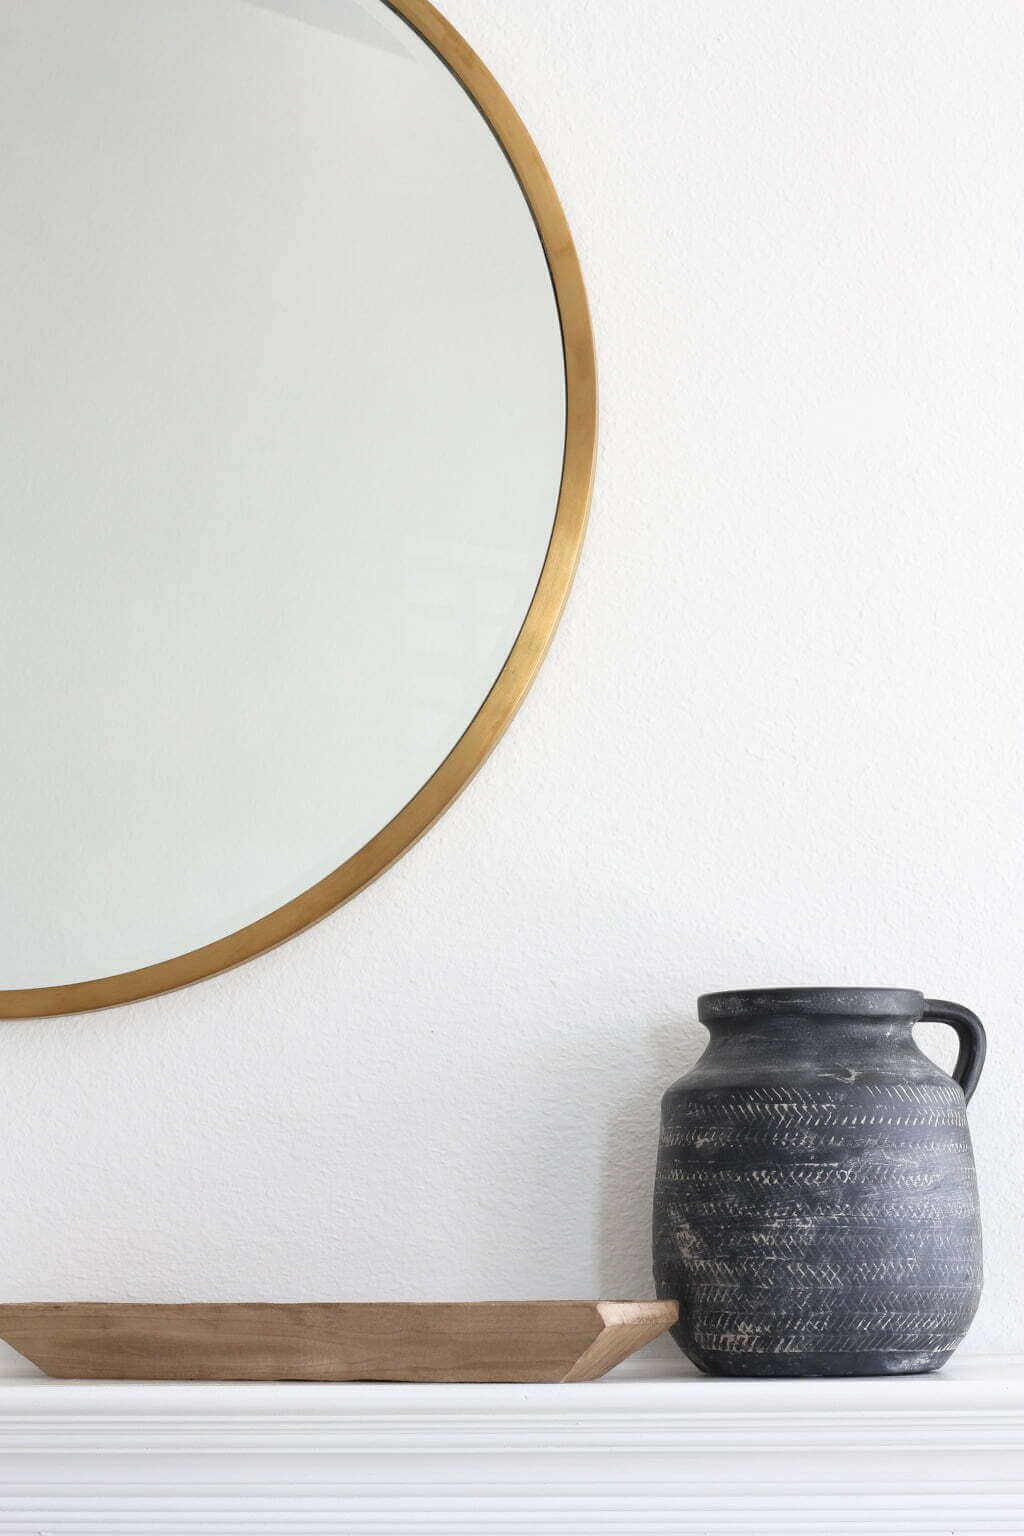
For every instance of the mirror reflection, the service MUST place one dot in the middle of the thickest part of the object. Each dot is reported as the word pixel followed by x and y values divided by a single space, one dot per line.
pixel 280 453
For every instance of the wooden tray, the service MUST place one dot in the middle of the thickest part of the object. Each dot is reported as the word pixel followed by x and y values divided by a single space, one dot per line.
pixel 334 1341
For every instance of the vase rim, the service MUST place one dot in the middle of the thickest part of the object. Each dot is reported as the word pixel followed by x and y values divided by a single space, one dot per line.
pixel 835 1002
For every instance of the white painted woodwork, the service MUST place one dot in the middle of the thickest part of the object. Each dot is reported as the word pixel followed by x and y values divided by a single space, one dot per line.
pixel 647 1450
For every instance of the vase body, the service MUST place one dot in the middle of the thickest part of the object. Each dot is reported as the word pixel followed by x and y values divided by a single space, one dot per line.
pixel 816 1206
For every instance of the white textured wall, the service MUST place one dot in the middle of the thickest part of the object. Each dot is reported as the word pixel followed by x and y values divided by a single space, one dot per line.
pixel 777 739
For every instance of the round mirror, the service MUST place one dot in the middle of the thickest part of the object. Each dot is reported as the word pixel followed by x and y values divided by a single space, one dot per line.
pixel 295 453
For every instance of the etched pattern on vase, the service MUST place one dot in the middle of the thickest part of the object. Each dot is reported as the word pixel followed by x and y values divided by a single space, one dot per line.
pixel 822 1226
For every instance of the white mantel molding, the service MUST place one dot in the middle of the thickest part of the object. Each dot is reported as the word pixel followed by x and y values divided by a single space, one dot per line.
pixel 647 1450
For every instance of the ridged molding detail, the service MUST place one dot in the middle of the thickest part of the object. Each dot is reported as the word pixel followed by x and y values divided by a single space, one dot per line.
pixel 838 1510
pixel 645 1451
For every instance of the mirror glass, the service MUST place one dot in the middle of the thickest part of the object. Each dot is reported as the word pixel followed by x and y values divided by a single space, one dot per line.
pixel 282 437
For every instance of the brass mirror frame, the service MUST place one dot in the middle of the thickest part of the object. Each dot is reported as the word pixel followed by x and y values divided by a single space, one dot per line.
pixel 531 643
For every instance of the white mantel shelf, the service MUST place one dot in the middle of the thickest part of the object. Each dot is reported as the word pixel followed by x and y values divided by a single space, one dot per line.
pixel 646 1450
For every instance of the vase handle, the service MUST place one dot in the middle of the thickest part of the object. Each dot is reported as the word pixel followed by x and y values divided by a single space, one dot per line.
pixel 971 1034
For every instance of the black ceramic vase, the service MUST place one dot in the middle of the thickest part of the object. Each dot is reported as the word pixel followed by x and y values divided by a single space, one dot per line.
pixel 816 1206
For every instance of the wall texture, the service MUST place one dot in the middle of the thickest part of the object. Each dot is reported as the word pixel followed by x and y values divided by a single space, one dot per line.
pixel 777 739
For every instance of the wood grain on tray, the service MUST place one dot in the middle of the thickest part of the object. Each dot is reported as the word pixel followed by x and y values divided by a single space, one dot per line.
pixel 516 1341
